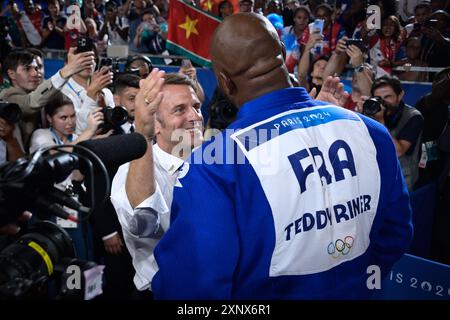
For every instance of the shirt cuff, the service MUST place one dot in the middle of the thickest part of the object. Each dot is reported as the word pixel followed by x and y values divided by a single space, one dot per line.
pixel 109 236
pixel 58 81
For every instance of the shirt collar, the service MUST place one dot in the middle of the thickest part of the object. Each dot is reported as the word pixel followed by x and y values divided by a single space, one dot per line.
pixel 169 162
pixel 274 100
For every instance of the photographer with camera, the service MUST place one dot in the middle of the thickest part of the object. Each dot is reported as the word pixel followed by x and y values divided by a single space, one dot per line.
pixel 404 123
pixel 27 90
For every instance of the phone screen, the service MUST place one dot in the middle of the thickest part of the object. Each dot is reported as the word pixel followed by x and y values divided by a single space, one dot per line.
pixel 318 26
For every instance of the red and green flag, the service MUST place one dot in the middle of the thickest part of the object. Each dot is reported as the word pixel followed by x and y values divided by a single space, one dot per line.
pixel 190 32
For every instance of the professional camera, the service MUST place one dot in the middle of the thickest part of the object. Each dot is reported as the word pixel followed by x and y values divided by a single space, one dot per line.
pixel 222 112
pixel 45 253
pixel 10 112
pixel 372 106
pixel 28 266
pixel 113 118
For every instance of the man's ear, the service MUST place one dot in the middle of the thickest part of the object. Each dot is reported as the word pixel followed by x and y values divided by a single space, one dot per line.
pixel 226 84
pixel 11 74
pixel 401 95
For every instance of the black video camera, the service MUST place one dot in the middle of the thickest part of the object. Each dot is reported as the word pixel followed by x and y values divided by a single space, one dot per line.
pixel 44 253
pixel 221 114
pixel 372 106
pixel 113 118
pixel 10 112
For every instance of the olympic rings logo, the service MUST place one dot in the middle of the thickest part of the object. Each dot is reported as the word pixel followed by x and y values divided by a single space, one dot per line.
pixel 340 247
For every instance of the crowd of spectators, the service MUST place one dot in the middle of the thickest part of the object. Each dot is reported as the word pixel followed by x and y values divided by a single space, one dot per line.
pixel 66 108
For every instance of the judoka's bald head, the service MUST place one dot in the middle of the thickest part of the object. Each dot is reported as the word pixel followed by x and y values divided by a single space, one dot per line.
pixel 248 57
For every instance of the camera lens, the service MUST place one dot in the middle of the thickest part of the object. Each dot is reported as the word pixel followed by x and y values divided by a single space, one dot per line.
pixel 372 106
pixel 116 116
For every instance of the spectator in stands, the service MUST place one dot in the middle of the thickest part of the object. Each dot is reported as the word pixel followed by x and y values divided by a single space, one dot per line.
pixel 438 5
pixel 288 12
pixel 10 146
pixel 30 35
pixel 61 115
pixel 332 31
pixel 436 40
pixel 295 38
pixel 413 48
pixel 88 90
pixel 15 30
pixel 126 86
pixel 53 27
pixel 309 74
pixel 435 111
pixel 188 70
pixel 422 12
pixel 88 10
pixel 34 14
pixel 148 35
pixel 404 123
pixel 116 27
pixel 225 9
pixel 246 5
pixel 272 6
pixel 362 75
pixel 385 47
pixel 23 71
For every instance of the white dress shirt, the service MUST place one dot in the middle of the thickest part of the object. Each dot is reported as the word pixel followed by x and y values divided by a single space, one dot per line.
pixel 143 226
pixel 82 103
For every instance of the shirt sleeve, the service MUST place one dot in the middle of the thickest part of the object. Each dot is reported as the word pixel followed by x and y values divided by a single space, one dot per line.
pixel 145 219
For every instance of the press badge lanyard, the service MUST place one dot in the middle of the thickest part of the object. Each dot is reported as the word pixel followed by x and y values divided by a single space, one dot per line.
pixel 58 140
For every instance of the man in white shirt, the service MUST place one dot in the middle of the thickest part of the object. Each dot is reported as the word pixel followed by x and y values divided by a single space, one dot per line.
pixel 85 89
pixel 143 206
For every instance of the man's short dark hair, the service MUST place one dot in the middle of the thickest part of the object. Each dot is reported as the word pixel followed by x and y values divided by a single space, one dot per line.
pixel 36 52
pixel 387 80
pixel 179 79
pixel 124 81
pixel 16 58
